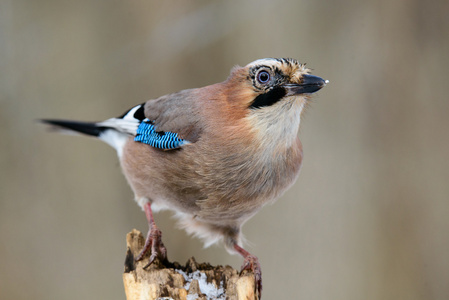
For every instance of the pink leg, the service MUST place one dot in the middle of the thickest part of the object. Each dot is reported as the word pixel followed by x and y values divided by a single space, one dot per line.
pixel 153 241
pixel 251 262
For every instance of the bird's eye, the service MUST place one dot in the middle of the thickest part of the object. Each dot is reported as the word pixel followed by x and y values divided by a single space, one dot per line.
pixel 263 77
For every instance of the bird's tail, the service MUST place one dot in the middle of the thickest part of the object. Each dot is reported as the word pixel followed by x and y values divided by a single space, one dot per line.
pixel 114 131
pixel 88 128
pixel 125 124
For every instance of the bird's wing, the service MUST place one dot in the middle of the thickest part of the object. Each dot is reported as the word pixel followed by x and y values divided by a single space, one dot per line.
pixel 177 114
pixel 168 122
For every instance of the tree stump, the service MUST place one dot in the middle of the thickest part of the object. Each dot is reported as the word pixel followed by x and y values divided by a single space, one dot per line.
pixel 172 281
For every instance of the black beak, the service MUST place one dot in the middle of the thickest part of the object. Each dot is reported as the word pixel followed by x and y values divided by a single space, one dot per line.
pixel 310 84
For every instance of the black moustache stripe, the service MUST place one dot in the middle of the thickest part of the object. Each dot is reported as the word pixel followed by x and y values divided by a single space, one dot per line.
pixel 269 98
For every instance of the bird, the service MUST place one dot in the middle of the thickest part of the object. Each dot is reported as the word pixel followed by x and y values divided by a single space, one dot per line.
pixel 213 155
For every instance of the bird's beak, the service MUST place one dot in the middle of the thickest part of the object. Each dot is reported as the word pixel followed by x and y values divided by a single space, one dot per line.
pixel 309 84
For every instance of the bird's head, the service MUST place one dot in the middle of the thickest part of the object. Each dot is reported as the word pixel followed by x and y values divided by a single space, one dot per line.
pixel 268 81
pixel 271 94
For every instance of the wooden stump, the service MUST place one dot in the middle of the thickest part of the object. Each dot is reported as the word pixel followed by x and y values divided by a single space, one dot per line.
pixel 173 281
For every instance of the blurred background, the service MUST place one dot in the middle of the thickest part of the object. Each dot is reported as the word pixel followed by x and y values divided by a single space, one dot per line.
pixel 368 217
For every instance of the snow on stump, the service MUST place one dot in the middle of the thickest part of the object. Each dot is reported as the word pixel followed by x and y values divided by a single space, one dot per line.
pixel 172 281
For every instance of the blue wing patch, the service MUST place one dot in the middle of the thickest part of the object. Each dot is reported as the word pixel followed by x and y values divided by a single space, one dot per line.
pixel 147 134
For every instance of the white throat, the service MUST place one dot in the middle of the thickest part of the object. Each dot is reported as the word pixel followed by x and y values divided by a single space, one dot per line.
pixel 277 125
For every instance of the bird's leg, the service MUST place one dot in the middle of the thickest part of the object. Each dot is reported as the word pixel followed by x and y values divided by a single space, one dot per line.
pixel 251 262
pixel 154 239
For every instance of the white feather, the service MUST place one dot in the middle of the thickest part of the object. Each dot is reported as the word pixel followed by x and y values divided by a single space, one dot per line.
pixel 121 129
pixel 126 124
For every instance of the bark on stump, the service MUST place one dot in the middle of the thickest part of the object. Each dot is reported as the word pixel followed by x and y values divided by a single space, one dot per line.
pixel 173 281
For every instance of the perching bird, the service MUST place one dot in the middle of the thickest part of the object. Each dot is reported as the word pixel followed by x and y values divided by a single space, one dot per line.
pixel 213 155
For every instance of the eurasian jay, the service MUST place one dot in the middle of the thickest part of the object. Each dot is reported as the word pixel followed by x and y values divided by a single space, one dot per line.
pixel 213 155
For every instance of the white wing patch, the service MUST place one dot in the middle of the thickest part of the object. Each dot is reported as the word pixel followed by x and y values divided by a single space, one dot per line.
pixel 126 124
pixel 121 129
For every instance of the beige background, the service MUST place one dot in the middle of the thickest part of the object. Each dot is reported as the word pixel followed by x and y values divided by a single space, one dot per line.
pixel 369 215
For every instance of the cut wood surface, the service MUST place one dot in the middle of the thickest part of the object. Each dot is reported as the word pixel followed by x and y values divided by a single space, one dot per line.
pixel 166 281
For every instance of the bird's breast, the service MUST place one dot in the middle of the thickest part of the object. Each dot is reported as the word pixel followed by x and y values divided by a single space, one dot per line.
pixel 257 161
pixel 242 175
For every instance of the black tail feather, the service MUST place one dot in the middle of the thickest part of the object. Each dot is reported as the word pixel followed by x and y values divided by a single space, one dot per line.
pixel 81 127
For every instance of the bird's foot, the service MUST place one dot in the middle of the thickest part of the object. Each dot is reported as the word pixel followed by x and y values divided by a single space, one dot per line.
pixel 153 242
pixel 252 264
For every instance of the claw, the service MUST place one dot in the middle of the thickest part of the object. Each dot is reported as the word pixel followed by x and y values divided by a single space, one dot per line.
pixel 251 263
